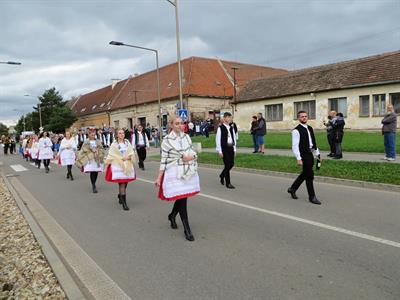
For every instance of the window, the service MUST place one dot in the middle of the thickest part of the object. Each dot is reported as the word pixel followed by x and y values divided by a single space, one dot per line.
pixel 274 112
pixel 338 105
pixel 308 106
pixel 94 106
pixel 83 109
pixel 379 105
pixel 395 100
pixel 116 124
pixel 130 123
pixel 364 106
pixel 101 105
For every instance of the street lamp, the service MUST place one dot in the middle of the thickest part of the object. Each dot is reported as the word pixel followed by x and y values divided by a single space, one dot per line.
pixel 114 43
pixel 178 49
pixel 39 109
pixel 234 68
pixel 10 62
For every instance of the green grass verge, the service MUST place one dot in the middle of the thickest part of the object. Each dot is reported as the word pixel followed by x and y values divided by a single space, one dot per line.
pixel 363 171
pixel 353 141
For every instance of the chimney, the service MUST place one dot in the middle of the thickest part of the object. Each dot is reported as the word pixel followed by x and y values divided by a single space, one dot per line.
pixel 114 81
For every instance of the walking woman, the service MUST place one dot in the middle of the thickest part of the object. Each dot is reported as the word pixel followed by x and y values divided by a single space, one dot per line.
pixel 67 153
pixel 45 150
pixel 178 179
pixel 34 150
pixel 119 165
pixel 90 158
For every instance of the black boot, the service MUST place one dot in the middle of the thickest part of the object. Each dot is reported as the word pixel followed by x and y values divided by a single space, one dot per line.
pixel 123 200
pixel 71 177
pixel 94 189
pixel 188 233
pixel 119 199
pixel 68 175
pixel 171 218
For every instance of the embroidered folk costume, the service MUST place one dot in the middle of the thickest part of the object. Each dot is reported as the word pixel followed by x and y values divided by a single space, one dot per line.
pixel 178 178
pixel 67 154
pixel 120 167
pixel 45 151
pixel 90 160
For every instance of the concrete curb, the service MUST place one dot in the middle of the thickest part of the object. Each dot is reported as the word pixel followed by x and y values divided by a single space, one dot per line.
pixel 331 180
pixel 65 279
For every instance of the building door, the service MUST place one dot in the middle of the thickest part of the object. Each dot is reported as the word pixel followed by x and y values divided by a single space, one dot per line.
pixel 130 123
pixel 142 121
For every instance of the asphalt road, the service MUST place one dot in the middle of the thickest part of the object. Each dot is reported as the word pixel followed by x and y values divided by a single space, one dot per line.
pixel 251 243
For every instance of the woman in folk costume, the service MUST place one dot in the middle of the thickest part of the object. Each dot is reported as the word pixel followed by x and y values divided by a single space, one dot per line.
pixel 34 150
pixel 119 164
pixel 28 148
pixel 45 150
pixel 90 157
pixel 66 154
pixel 178 178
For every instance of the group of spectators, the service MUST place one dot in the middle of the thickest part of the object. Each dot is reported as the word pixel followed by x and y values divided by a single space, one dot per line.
pixel 258 130
pixel 9 144
pixel 335 131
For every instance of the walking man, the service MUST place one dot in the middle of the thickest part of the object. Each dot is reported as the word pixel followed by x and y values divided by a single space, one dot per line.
pixel 389 133
pixel 304 148
pixel 225 140
pixel 140 142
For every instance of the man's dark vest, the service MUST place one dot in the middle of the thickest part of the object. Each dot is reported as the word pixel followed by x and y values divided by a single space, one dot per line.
pixel 304 145
pixel 224 135
pixel 137 137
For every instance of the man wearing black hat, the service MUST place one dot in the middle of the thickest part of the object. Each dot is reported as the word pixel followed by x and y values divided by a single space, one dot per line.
pixel 304 147
pixel 225 140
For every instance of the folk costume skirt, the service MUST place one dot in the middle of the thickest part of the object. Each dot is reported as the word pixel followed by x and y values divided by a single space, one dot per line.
pixel 46 153
pixel 115 173
pixel 67 157
pixel 92 166
pixel 173 188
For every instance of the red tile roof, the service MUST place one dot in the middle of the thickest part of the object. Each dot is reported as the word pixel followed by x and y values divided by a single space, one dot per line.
pixel 378 69
pixel 202 77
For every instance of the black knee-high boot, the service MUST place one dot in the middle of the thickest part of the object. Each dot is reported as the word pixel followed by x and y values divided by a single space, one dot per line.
pixel 123 200
pixel 172 215
pixel 93 178
pixel 185 220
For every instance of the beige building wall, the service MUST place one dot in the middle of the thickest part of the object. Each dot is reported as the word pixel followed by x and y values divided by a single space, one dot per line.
pixel 196 105
pixel 244 111
pixel 95 120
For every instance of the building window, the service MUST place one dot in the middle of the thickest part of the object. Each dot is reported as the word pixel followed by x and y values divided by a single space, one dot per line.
pixel 308 106
pixel 116 124
pixel 379 105
pixel 83 109
pixel 338 105
pixel 395 100
pixel 364 106
pixel 130 123
pixel 274 112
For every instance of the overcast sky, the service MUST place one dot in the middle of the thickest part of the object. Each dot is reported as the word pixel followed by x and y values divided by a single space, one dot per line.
pixel 65 43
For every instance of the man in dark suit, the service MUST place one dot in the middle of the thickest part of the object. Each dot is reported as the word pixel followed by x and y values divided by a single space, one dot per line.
pixel 225 140
pixel 304 147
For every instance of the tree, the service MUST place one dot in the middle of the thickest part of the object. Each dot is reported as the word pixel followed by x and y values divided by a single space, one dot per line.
pixel 3 129
pixel 61 118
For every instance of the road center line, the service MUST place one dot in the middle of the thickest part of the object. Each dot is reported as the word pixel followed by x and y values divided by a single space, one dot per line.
pixel 297 219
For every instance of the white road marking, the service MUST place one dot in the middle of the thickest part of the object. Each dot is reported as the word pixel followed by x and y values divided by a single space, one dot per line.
pixel 18 168
pixel 297 219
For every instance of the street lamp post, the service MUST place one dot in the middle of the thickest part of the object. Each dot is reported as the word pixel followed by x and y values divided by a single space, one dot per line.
pixel 114 43
pixel 178 49
pixel 10 62
pixel 39 110
pixel 234 68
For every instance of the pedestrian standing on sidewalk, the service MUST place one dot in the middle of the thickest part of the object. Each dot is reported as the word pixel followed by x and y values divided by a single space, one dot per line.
pixel 178 179
pixel 225 141
pixel 45 150
pixel 389 133
pixel 67 154
pixel 338 124
pixel 120 165
pixel 91 158
pixel 304 147
pixel 141 143
pixel 261 131
pixel 253 129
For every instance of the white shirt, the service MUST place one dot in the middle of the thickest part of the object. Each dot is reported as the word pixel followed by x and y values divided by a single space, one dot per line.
pixel 231 139
pixel 141 141
pixel 296 142
pixel 122 147
pixel 191 125
pixel 93 144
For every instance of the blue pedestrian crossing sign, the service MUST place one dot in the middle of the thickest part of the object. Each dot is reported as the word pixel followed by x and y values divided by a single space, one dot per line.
pixel 183 114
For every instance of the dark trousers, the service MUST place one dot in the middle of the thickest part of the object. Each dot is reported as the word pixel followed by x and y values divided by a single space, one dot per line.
pixel 141 151
pixel 229 162
pixel 255 142
pixel 5 149
pixel 307 174
pixel 331 141
pixel 46 163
